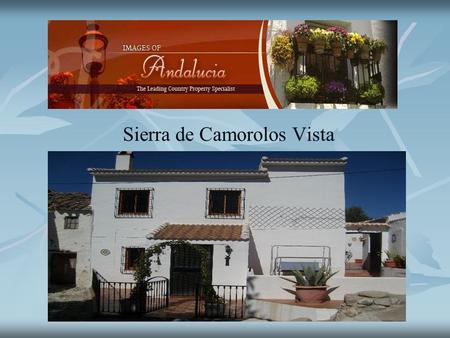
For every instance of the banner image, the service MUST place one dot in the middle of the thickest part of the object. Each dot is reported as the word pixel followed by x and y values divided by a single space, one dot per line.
pixel 297 64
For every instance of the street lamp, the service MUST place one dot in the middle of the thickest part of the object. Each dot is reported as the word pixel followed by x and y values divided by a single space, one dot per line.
pixel 93 45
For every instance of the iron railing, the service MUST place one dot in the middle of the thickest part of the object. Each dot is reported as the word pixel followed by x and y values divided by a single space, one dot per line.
pixel 131 297
pixel 355 73
pixel 225 302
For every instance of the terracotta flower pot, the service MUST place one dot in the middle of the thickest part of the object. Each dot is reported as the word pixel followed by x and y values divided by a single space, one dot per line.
pixel 336 49
pixel 319 46
pixel 311 294
pixel 389 263
pixel 302 44
pixel 364 52
pixel 63 104
pixel 350 54
pixel 376 55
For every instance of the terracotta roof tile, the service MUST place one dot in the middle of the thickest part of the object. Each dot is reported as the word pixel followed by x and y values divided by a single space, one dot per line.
pixel 68 201
pixel 199 232
pixel 367 226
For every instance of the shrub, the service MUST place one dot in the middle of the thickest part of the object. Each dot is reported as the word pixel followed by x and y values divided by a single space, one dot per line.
pixel 282 51
pixel 372 93
pixel 301 88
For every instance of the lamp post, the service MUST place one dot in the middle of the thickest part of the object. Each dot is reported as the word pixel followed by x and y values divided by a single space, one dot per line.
pixel 93 45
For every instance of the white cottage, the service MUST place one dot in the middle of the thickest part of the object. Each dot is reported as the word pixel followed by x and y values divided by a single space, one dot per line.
pixel 286 214
pixel 69 238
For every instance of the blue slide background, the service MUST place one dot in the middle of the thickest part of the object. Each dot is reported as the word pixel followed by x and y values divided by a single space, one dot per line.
pixel 420 126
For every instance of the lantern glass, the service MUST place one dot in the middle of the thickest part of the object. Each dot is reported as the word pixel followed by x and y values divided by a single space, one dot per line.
pixel 93 48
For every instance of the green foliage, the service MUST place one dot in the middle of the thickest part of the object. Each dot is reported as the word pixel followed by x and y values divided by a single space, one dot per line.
pixel 355 214
pixel 400 261
pixel 282 51
pixel 377 44
pixel 372 93
pixel 312 277
pixel 301 88
pixel 152 255
pixel 391 254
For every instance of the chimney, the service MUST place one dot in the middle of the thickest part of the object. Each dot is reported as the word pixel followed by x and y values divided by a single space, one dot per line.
pixel 124 160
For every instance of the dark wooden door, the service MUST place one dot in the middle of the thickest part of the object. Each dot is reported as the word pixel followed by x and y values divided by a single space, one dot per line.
pixel 185 268
pixel 375 254
pixel 63 268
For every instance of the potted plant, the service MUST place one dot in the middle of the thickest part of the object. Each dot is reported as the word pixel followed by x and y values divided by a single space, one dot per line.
pixel 400 261
pixel 61 100
pixel 136 302
pixel 215 306
pixel 311 285
pixel 364 50
pixel 377 47
pixel 336 39
pixel 353 42
pixel 302 88
pixel 372 93
pixel 389 262
pixel 282 51
pixel 318 38
pixel 335 91
pixel 302 34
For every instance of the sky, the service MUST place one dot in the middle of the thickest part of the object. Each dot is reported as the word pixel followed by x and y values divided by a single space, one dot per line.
pixel 374 181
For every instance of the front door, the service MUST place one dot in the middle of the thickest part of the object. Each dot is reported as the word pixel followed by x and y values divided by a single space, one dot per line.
pixel 375 254
pixel 62 269
pixel 185 268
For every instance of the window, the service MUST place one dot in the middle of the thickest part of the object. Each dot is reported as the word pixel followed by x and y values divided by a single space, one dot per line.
pixel 224 203
pixel 130 258
pixel 71 222
pixel 134 203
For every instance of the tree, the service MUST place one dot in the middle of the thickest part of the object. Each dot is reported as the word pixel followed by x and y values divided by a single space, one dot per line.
pixel 355 214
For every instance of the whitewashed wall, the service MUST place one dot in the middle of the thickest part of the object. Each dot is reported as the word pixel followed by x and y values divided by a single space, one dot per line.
pixel 355 245
pixel 397 224
pixel 74 240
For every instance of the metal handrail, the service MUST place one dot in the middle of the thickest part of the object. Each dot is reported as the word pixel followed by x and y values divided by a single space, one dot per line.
pixel 274 256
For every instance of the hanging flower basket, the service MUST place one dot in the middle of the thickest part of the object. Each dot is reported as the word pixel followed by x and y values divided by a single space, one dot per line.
pixel 350 54
pixel 302 43
pixel 319 46
pixel 364 53
pixel 376 55
pixel 336 48
pixel 302 34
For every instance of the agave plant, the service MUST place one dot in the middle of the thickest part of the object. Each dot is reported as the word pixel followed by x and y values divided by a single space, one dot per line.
pixel 312 277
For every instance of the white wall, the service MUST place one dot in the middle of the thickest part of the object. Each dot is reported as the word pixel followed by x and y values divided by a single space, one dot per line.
pixel 354 245
pixel 397 228
pixel 74 240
